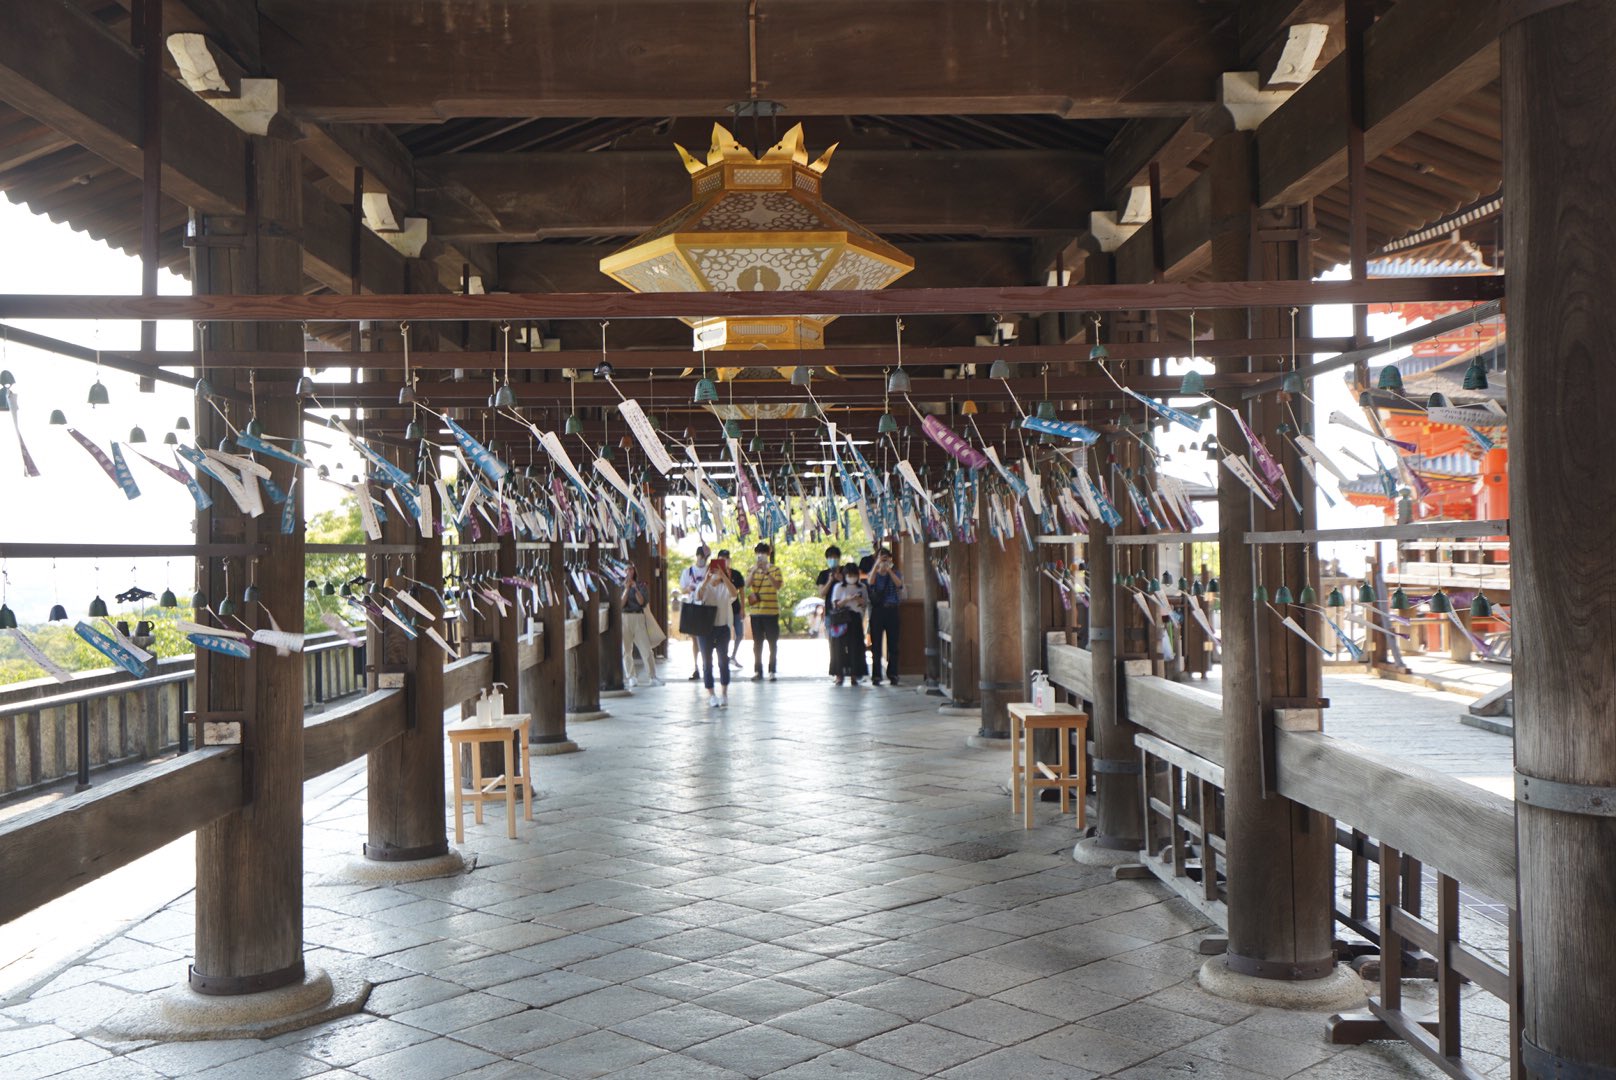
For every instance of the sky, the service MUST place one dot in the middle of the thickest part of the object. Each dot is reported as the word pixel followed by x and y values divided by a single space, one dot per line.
pixel 73 501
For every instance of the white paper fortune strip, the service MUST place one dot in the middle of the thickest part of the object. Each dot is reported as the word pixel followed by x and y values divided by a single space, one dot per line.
pixel 1238 466
pixel 645 434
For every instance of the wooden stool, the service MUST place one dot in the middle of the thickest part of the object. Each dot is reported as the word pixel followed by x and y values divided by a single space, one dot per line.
pixel 1067 775
pixel 473 733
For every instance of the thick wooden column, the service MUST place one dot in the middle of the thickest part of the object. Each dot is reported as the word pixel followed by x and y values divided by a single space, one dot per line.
pixel 611 637
pixel 404 776
pixel 931 593
pixel 1118 812
pixel 583 663
pixel 249 864
pixel 965 658
pixel 998 592
pixel 544 685
pixel 1280 857
pixel 1560 171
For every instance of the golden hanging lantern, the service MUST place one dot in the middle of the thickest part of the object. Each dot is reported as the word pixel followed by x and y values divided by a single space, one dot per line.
pixel 757 225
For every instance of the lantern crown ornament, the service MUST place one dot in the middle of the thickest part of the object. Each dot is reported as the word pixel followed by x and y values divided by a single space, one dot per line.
pixel 757 224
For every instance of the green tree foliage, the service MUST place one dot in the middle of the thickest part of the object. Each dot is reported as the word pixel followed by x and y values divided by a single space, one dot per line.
pixel 340 526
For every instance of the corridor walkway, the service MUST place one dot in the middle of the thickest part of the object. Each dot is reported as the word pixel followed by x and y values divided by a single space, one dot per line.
pixel 812 883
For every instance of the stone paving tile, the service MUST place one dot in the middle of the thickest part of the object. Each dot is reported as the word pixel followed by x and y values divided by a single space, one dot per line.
pixel 778 891
pixel 756 1051
pixel 924 1049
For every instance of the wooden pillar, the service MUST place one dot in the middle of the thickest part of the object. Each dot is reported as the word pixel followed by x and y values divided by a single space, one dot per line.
pixel 583 663
pixel 249 863
pixel 931 593
pixel 404 776
pixel 544 685
pixel 1280 857
pixel 1116 761
pixel 611 637
pixel 1560 168
pixel 998 592
pixel 964 655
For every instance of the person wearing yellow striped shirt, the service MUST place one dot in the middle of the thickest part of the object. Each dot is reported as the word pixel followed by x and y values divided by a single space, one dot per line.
pixel 763 602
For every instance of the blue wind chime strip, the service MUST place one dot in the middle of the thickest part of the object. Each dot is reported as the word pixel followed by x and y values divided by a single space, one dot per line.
pixel 1162 408
pixel 478 454
pixel 112 650
pixel 1065 429
pixel 219 643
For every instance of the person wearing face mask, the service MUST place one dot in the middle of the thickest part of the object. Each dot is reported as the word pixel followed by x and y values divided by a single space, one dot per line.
pixel 737 626
pixel 849 600
pixel 689 582
pixel 886 593
pixel 763 601
pixel 827 580
pixel 718 590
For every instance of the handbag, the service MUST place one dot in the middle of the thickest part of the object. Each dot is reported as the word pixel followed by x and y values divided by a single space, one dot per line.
pixel 696 620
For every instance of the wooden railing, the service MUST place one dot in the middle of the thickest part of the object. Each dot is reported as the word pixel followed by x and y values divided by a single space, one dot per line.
pixel 1401 819
pixel 106 718
pixel 48 852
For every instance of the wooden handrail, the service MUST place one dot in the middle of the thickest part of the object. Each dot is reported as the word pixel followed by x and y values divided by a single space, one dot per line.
pixel 49 852
pixel 351 730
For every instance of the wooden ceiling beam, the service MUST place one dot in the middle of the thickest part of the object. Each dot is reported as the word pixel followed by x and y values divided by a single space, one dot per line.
pixel 60 66
pixel 1421 58
pixel 1204 295
pixel 402 61
pixel 992 193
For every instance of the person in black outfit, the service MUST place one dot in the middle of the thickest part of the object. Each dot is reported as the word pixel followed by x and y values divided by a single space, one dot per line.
pixel 737 607
pixel 826 581
pixel 886 591
pixel 849 600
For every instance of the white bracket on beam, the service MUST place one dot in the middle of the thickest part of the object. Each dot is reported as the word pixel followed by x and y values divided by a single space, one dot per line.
pixel 1240 93
pixel 408 241
pixel 379 214
pixel 1136 207
pixel 260 102
pixel 1109 231
pixel 199 69
pixel 1300 56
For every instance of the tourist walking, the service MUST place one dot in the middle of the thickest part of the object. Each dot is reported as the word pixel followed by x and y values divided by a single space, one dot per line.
pixel 689 582
pixel 849 600
pixel 738 625
pixel 718 591
pixel 886 592
pixel 763 601
pixel 827 580
pixel 637 629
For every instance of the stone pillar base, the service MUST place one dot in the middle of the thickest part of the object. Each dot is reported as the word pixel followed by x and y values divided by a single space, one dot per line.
pixel 1089 852
pixel 616 693
pixel 978 742
pixel 1341 989
pixel 180 1014
pixel 960 710
pixel 383 872
pixel 551 749
pixel 592 714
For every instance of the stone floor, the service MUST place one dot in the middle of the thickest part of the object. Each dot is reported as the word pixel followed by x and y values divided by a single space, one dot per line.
pixel 815 882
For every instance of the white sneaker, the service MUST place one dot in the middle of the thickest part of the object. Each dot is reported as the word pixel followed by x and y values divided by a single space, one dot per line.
pixel 712 701
pixel 656 682
pixel 723 703
pixel 630 683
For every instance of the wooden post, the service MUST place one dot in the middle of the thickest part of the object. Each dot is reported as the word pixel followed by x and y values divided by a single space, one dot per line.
pixel 611 635
pixel 1560 169
pixel 1118 814
pixel 931 593
pixel 583 663
pixel 404 776
pixel 249 863
pixel 507 648
pixel 1280 856
pixel 998 593
pixel 964 657
pixel 544 685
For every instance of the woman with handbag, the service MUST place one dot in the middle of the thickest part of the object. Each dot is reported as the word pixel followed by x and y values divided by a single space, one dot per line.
pixel 637 629
pixel 718 592
pixel 849 600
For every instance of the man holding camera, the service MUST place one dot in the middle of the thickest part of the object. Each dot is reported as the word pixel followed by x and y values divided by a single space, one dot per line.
pixel 886 592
